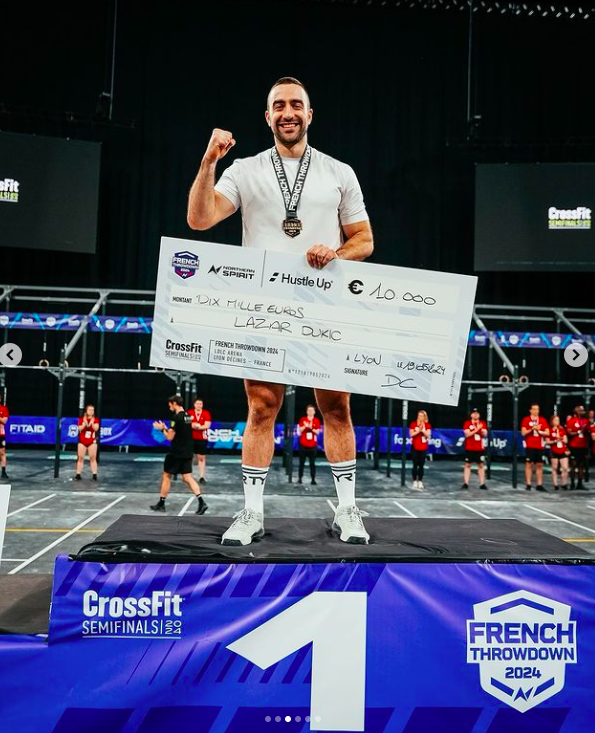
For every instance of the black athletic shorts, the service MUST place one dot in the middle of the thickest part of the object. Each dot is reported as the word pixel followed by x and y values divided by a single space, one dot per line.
pixel 578 454
pixel 534 455
pixel 180 466
pixel 474 456
pixel 200 447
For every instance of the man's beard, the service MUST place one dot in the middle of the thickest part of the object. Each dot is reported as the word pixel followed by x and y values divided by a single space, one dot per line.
pixel 291 143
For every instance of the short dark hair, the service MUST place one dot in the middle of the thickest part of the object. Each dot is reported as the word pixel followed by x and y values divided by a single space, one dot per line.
pixel 198 399
pixel 534 404
pixel 287 80
pixel 176 399
pixel 308 406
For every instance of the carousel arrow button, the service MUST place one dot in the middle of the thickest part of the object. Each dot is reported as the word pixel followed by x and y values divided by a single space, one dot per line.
pixel 575 355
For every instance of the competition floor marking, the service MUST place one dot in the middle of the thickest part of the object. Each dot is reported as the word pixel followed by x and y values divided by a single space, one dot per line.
pixel 561 519
pixel 28 506
pixel 579 539
pixel 404 509
pixel 68 534
pixel 186 505
pixel 332 506
pixel 46 529
pixel 472 509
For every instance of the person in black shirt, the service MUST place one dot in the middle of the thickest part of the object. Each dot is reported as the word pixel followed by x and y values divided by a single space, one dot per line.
pixel 181 453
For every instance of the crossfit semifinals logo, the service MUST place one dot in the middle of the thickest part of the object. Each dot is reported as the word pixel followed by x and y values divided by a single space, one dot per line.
pixel 156 616
pixel 522 643
pixel 9 190
pixel 579 218
pixel 185 264
pixel 183 350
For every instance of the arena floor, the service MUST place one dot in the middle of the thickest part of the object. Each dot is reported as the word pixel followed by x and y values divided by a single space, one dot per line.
pixel 48 516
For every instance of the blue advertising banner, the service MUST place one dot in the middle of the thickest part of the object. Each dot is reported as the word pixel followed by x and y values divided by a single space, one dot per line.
pixel 249 648
pixel 29 430
pixel 137 324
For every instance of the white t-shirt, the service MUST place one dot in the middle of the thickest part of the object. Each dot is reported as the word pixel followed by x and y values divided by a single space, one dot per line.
pixel 331 197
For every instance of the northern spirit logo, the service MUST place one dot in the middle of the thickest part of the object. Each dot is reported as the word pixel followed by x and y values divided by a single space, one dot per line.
pixel 9 190
pixel 522 643
pixel 308 282
pixel 243 273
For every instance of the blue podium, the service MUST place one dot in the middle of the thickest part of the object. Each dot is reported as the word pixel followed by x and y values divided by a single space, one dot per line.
pixel 437 626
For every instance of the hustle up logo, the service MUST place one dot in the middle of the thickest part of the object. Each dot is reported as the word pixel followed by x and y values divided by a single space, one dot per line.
pixel 307 282
pixel 522 643
pixel 579 218
pixel 9 190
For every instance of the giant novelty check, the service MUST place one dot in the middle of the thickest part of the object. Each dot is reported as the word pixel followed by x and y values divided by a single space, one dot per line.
pixel 352 326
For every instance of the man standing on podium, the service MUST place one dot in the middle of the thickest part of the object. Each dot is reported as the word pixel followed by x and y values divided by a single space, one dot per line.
pixel 293 199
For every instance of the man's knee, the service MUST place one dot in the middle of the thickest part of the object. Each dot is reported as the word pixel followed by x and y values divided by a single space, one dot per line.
pixel 334 407
pixel 263 405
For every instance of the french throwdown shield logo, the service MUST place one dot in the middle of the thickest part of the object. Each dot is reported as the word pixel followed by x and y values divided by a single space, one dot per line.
pixel 185 264
pixel 522 643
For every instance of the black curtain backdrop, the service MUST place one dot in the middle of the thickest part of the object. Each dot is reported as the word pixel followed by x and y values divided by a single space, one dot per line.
pixel 389 92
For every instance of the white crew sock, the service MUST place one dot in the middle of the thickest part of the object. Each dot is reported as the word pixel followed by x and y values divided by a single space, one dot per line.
pixel 344 476
pixel 253 480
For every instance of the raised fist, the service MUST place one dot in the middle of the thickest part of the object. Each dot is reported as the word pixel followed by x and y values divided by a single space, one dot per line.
pixel 219 145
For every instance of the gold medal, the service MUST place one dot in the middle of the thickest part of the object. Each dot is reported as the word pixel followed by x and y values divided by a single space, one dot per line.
pixel 292 227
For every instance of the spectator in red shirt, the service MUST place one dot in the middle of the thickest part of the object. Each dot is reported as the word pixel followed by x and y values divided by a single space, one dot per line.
pixel 476 432
pixel 591 421
pixel 88 429
pixel 420 431
pixel 201 422
pixel 577 428
pixel 308 429
pixel 4 415
pixel 534 429
pixel 557 441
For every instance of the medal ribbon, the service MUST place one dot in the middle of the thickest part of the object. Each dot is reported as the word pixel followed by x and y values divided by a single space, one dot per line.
pixel 291 198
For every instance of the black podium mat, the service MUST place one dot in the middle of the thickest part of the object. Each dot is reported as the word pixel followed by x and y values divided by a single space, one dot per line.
pixel 135 538
pixel 25 604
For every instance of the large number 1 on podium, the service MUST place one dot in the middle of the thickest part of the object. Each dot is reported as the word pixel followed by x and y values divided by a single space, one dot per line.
pixel 335 625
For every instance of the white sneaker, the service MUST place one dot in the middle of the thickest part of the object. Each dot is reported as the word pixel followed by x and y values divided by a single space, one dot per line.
pixel 415 485
pixel 420 486
pixel 246 526
pixel 349 526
